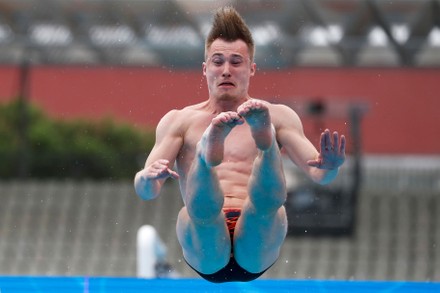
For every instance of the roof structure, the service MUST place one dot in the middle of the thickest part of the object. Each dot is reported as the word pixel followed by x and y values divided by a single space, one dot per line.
pixel 171 32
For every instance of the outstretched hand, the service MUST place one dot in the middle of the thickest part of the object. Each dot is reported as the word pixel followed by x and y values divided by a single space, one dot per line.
pixel 160 170
pixel 331 152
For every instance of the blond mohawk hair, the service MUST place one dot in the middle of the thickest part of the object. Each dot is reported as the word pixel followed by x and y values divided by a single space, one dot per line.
pixel 228 25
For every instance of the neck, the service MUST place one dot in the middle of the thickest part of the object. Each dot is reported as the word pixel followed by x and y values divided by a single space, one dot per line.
pixel 225 104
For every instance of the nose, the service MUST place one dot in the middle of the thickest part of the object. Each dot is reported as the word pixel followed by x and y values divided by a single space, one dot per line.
pixel 226 72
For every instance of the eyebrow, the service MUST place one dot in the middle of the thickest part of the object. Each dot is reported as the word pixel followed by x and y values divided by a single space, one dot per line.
pixel 222 55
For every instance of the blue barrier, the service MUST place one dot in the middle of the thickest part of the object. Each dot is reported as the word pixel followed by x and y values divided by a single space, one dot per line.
pixel 29 284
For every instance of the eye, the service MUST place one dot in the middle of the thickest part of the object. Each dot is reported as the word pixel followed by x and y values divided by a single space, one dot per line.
pixel 236 61
pixel 217 61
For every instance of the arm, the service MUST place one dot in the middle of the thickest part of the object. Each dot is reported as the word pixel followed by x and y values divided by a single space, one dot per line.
pixel 158 167
pixel 321 166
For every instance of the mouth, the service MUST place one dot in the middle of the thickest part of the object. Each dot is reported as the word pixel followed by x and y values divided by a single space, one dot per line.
pixel 226 84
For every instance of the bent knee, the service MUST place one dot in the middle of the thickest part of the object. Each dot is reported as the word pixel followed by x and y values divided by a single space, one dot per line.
pixel 267 208
pixel 205 215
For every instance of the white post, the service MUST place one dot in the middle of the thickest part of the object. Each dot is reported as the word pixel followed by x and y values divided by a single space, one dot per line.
pixel 150 250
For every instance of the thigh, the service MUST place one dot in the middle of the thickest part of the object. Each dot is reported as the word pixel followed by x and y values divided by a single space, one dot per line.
pixel 258 238
pixel 206 247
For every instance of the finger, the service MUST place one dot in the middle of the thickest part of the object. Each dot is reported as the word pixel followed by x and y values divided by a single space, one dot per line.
pixel 239 121
pixel 336 141
pixel 163 161
pixel 313 163
pixel 165 173
pixel 325 140
pixel 237 118
pixel 342 147
pixel 224 118
pixel 243 111
pixel 160 164
pixel 173 174
pixel 160 169
pixel 328 142
pixel 155 175
pixel 322 142
pixel 161 172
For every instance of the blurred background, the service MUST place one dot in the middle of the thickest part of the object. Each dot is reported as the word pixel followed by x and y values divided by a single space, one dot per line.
pixel 83 84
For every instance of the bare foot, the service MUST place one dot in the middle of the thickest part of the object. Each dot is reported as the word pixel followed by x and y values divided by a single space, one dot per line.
pixel 256 114
pixel 212 142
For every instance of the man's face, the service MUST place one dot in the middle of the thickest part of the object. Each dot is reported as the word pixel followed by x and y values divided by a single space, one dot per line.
pixel 228 69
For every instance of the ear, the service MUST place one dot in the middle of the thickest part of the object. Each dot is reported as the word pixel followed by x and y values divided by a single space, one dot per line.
pixel 253 69
pixel 204 68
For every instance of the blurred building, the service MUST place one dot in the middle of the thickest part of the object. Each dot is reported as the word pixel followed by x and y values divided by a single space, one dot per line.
pixel 171 32
pixel 74 228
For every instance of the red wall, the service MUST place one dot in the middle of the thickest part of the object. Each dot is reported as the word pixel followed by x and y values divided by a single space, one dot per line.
pixel 403 116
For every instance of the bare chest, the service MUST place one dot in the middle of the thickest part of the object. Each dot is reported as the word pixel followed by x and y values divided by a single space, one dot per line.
pixel 239 146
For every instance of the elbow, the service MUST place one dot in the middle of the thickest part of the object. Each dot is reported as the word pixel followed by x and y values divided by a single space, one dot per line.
pixel 143 188
pixel 143 193
pixel 324 177
pixel 323 182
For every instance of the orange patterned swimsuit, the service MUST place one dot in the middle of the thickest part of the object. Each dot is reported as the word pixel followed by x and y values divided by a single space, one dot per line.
pixel 231 216
pixel 232 272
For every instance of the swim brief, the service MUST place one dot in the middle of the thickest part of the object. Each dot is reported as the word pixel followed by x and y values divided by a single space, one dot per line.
pixel 232 272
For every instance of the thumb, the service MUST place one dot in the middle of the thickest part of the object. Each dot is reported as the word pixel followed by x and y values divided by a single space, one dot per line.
pixel 173 174
pixel 314 163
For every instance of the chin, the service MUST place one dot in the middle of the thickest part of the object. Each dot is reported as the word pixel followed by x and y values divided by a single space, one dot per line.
pixel 226 97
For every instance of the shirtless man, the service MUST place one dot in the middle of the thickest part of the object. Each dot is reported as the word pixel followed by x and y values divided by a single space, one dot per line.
pixel 227 155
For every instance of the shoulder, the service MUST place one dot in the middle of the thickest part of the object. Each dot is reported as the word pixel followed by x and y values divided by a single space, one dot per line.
pixel 177 120
pixel 283 115
pixel 279 107
pixel 171 122
pixel 169 119
pixel 176 115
